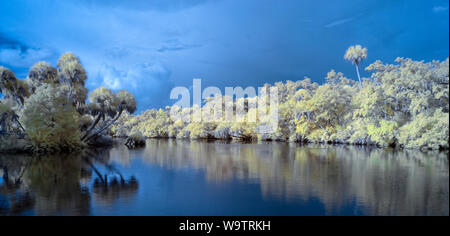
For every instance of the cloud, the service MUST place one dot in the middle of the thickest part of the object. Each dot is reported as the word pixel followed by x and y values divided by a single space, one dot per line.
pixel 338 22
pixel 176 45
pixel 111 77
pixel 149 82
pixel 16 57
pixel 226 43
pixel 6 42
pixel 117 52
pixel 438 9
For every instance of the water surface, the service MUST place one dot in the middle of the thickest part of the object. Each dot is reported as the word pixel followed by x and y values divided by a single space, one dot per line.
pixel 171 177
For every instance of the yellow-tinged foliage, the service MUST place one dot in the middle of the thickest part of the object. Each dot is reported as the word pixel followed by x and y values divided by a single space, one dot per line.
pixel 50 108
pixel 384 134
pixel 356 54
pixel 426 131
pixel 70 69
pixel 51 123
pixel 404 104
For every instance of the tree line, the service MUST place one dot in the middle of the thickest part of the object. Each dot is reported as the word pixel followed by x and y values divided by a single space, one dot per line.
pixel 405 104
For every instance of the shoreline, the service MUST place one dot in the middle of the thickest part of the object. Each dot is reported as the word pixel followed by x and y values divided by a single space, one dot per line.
pixel 330 143
pixel 24 146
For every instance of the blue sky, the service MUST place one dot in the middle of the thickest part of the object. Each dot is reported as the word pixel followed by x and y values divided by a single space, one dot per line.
pixel 148 47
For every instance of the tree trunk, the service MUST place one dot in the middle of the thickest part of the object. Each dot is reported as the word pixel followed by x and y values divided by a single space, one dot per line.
pixel 2 125
pixel 320 126
pixel 92 127
pixel 106 126
pixel 18 122
pixel 69 96
pixel 359 77
pixel 94 169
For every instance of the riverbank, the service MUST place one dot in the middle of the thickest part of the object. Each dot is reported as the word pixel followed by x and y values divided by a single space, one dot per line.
pixel 15 145
pixel 12 145
pixel 368 144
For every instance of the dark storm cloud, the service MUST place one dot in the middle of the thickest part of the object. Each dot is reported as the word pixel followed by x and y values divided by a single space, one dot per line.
pixel 6 42
pixel 19 57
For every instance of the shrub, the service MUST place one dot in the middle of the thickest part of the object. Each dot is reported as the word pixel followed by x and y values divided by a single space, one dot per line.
pixel 384 134
pixel 426 132
pixel 51 123
pixel 136 139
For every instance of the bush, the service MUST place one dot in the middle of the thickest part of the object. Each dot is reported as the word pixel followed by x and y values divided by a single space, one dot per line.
pixel 426 132
pixel 384 134
pixel 136 139
pixel 51 123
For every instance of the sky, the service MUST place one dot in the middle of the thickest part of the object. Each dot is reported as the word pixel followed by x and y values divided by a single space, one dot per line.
pixel 148 47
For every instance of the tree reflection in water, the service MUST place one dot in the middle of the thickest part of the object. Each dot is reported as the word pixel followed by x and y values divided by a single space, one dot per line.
pixel 59 184
pixel 108 188
pixel 382 181
pixel 377 181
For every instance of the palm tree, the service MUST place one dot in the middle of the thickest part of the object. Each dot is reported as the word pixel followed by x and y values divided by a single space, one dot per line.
pixel 40 73
pixel 72 77
pixel 104 103
pixel 355 54
pixel 15 91
pixel 8 83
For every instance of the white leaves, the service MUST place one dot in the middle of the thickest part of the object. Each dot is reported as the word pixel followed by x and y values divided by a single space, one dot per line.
pixel 356 54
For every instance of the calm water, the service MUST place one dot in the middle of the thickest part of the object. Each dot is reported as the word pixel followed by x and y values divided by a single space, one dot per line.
pixel 171 177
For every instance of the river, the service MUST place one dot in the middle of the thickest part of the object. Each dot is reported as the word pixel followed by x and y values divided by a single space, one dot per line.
pixel 173 177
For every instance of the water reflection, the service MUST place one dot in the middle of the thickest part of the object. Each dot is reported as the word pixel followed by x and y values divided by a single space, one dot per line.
pixel 59 184
pixel 376 181
pixel 383 182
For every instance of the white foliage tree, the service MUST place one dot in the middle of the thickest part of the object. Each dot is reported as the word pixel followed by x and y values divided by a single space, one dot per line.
pixel 356 54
